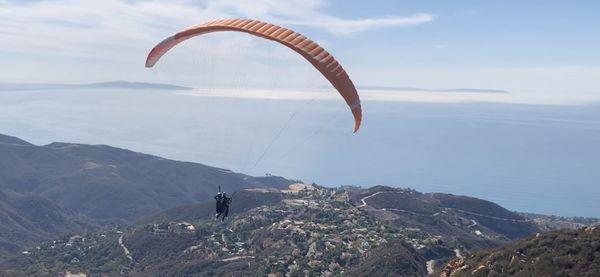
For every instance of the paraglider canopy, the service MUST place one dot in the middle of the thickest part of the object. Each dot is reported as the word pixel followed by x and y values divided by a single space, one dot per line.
pixel 311 51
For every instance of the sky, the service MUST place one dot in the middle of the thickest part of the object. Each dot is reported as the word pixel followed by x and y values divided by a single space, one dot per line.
pixel 537 50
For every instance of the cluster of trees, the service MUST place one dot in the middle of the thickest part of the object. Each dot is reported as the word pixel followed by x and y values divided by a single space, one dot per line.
pixel 98 253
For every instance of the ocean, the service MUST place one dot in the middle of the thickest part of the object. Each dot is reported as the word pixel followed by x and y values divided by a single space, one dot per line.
pixel 531 158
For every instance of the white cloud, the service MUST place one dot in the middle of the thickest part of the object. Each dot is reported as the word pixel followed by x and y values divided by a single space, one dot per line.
pixel 84 40
pixel 307 13
pixel 346 27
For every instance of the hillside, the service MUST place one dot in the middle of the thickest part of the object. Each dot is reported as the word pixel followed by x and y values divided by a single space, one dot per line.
pixel 553 222
pixel 466 221
pixel 241 202
pixel 558 253
pixel 61 188
pixel 96 209
pixel 112 184
pixel 26 220
pixel 305 229
pixel 4 139
pixel 391 259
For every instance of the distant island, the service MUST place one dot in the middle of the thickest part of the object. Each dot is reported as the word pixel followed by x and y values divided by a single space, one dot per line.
pixel 100 85
pixel 453 90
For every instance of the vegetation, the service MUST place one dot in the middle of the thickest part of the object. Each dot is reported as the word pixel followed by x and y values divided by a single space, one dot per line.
pixel 111 185
pixel 62 188
pixel 304 230
pixel 558 253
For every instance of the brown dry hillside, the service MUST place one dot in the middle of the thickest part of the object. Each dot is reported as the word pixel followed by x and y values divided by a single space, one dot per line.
pixel 559 253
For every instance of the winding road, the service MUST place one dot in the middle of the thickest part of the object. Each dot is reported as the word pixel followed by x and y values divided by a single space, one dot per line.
pixel 364 204
pixel 125 250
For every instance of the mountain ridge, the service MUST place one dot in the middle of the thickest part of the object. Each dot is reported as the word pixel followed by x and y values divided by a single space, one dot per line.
pixel 98 184
pixel 4 139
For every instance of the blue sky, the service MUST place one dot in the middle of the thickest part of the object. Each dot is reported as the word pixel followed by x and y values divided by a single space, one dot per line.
pixel 541 48
pixel 488 33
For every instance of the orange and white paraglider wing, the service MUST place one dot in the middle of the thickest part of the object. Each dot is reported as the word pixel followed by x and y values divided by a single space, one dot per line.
pixel 311 51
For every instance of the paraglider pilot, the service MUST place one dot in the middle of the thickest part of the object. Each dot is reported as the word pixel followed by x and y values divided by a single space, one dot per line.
pixel 222 207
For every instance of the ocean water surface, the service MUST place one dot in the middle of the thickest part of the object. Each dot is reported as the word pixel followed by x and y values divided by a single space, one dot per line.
pixel 534 158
